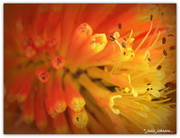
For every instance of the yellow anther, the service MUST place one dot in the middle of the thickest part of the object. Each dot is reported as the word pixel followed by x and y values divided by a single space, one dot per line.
pixel 127 89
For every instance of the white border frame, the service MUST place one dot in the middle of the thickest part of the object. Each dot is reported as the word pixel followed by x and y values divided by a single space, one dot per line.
pixel 81 1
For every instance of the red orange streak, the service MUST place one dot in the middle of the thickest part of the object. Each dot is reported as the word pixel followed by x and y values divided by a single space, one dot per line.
pixel 60 124
pixel 74 99
pixel 40 111
pixel 29 108
pixel 54 97
pixel 140 36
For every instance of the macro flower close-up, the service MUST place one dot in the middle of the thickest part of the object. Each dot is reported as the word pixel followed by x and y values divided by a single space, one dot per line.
pixel 89 68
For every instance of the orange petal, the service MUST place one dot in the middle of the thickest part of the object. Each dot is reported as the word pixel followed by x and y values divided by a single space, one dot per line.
pixel 29 108
pixel 60 124
pixel 81 34
pixel 55 99
pixel 40 111
pixel 74 99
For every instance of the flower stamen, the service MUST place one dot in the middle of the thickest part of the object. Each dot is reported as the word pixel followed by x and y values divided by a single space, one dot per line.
pixel 165 52
pixel 163 40
pixel 150 69
pixel 172 47
pixel 112 38
pixel 159 67
pixel 119 25
pixel 145 36
pixel 154 41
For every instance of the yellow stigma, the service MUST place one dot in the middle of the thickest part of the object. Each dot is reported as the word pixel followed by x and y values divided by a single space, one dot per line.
pixel 114 110
pixel 128 53
pixel 77 104
pixel 98 42
pixel 127 89
pixel 80 119
pixel 60 107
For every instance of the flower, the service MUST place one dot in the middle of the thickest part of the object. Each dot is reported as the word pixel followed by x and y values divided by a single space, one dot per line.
pixel 90 68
